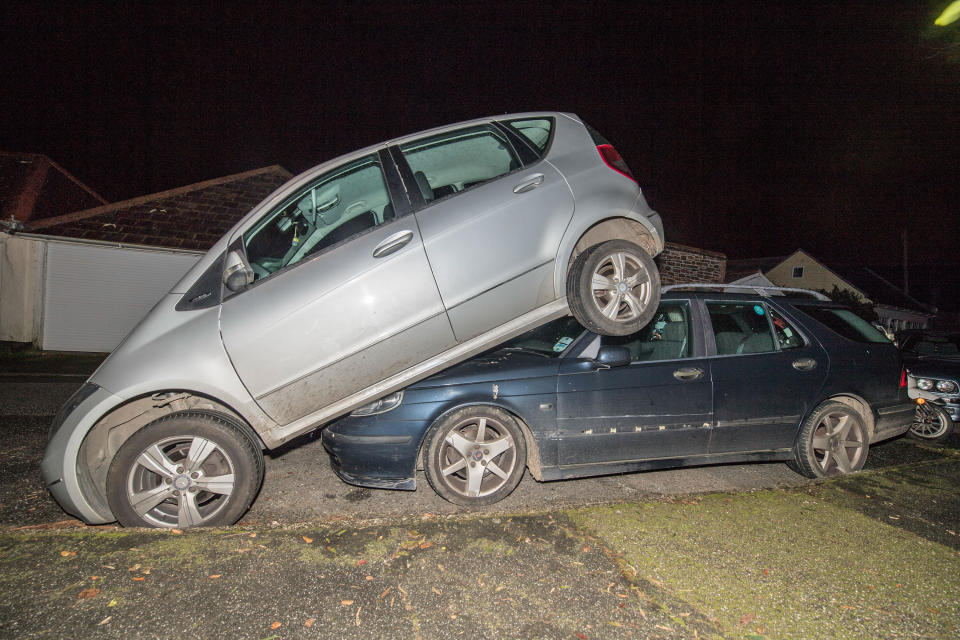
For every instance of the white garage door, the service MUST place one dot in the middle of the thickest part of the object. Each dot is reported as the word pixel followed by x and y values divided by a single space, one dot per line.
pixel 94 295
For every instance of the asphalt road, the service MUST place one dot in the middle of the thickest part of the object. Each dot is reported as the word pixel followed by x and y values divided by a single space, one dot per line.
pixel 300 486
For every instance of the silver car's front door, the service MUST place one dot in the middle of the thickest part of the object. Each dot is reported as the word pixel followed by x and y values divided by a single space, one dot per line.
pixel 491 228
pixel 359 305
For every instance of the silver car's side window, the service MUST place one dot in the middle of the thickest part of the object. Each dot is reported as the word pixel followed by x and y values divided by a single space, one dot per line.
pixel 326 211
pixel 450 162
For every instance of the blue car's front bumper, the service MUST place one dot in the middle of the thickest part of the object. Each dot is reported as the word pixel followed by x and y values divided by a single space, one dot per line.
pixel 382 460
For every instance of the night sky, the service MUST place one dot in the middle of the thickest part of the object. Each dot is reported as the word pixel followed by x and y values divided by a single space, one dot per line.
pixel 754 128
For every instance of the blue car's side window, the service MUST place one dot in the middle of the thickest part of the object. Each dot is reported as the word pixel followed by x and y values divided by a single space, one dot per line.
pixel 740 328
pixel 667 337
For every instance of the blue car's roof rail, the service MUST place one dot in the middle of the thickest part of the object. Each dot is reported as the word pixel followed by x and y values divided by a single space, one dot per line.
pixel 744 288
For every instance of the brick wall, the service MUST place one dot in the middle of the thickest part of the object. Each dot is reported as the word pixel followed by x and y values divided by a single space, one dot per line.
pixel 680 264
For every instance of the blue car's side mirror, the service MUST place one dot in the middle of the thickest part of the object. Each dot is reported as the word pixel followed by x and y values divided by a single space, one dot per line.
pixel 612 357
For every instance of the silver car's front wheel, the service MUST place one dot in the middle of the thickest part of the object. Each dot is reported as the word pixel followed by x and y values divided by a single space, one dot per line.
pixel 614 288
pixel 475 455
pixel 187 469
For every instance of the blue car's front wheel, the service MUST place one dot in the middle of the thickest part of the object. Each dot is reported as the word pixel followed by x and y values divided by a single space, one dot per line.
pixel 475 455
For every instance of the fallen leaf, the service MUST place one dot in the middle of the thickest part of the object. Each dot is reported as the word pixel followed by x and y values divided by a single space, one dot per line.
pixel 746 619
pixel 581 636
pixel 88 593
pixel 139 578
pixel 112 603
pixel 214 576
pixel 253 535
pixel 358 615
pixel 586 549
pixel 361 562
pixel 94 577
pixel 440 566
pixel 105 620
pixel 426 545
pixel 385 592
pixel 346 603
pixel 68 554
pixel 134 567
pixel 275 625
pixel 436 591
pixel 308 623
pixel 176 532
pixel 307 540
pixel 368 578
pixel 931 610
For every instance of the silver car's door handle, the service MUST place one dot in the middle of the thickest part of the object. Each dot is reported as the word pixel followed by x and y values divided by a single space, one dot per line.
pixel 804 364
pixel 392 243
pixel 529 183
pixel 688 374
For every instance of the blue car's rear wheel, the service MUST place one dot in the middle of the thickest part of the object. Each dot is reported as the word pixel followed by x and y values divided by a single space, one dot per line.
pixel 475 455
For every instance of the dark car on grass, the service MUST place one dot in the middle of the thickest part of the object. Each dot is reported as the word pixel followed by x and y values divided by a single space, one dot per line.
pixel 714 377
pixel 933 376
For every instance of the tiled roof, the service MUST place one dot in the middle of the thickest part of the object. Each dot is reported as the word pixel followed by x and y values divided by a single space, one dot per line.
pixel 33 187
pixel 191 217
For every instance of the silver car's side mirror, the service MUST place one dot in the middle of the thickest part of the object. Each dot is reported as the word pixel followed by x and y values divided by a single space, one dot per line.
pixel 236 274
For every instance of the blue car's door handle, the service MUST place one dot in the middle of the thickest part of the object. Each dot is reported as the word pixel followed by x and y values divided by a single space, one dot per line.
pixel 392 243
pixel 688 374
pixel 804 364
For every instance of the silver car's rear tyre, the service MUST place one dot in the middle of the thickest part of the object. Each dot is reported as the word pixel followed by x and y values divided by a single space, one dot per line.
pixel 833 441
pixel 475 455
pixel 186 469
pixel 931 423
pixel 613 288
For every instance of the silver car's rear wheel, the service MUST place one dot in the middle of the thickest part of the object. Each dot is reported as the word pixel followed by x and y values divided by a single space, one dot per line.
pixel 833 441
pixel 614 288
pixel 475 455
pixel 187 469
pixel 931 423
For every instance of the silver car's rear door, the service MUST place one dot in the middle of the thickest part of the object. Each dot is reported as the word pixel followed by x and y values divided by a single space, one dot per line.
pixel 344 316
pixel 491 226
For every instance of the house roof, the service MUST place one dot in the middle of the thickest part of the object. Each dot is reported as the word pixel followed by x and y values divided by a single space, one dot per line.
pixel 742 268
pixel 874 286
pixel 34 187
pixel 191 217
pixel 880 290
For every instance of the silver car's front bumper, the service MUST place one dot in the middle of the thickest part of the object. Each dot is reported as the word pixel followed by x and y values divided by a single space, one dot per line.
pixel 74 492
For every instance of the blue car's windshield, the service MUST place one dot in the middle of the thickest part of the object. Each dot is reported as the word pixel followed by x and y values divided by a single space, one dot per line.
pixel 551 339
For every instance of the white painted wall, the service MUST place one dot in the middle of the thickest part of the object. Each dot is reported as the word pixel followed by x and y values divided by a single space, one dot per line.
pixel 94 294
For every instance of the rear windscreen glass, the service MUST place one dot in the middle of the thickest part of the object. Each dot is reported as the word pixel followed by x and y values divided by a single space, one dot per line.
pixel 846 323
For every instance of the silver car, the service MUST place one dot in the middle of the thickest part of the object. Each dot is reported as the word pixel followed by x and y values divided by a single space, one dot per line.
pixel 350 282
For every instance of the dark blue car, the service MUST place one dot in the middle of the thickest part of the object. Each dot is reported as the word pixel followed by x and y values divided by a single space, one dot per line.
pixel 715 377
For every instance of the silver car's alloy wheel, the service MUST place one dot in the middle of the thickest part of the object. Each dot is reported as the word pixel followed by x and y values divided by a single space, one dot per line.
pixel 187 469
pixel 475 455
pixel 180 482
pixel 621 287
pixel 931 423
pixel 613 288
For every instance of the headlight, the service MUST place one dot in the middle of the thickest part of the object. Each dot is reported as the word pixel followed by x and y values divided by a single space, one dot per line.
pixel 924 384
pixel 384 404
pixel 946 386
